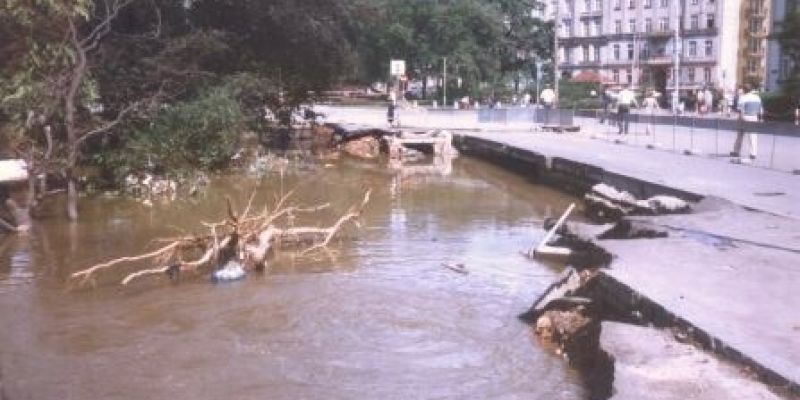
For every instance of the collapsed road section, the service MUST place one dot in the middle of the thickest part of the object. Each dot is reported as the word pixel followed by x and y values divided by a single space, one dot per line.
pixel 722 277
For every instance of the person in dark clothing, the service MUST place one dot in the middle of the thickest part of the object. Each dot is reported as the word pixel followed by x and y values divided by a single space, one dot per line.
pixel 390 113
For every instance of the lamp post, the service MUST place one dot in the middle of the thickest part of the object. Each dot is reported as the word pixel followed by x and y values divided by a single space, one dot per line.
pixel 676 50
pixel 555 52
pixel 444 83
pixel 538 79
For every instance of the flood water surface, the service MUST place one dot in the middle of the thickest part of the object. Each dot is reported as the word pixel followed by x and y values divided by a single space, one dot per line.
pixel 377 318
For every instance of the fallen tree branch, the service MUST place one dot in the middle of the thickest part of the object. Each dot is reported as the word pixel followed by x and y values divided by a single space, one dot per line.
pixel 242 238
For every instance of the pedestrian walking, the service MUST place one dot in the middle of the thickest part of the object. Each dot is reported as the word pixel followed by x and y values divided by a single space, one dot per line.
pixel 626 99
pixel 797 113
pixel 548 98
pixel 390 113
pixel 708 99
pixel 700 105
pixel 727 103
pixel 751 110
pixel 650 104
pixel 605 101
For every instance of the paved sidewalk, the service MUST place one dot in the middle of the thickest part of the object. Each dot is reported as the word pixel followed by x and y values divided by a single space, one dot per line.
pixel 769 190
pixel 781 153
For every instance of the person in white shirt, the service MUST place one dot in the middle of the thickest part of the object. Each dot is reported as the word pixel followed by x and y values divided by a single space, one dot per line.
pixel 625 100
pixel 548 97
pixel 750 110
pixel 708 98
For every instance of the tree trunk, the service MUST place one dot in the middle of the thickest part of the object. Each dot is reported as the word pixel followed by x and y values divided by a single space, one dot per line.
pixel 78 74
pixel 72 198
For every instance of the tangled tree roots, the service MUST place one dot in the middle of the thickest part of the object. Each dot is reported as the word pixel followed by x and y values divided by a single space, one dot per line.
pixel 246 238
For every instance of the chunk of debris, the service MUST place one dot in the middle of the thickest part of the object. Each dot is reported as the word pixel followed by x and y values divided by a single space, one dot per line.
pixel 627 229
pixel 606 203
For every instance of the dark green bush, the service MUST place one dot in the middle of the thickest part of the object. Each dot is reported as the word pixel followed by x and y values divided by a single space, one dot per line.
pixel 778 106
pixel 196 134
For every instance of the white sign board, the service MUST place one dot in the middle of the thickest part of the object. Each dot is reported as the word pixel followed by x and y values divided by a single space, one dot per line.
pixel 13 171
pixel 397 67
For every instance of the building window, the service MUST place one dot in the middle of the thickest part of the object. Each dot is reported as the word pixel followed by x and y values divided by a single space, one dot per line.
pixel 648 25
pixel 616 52
pixel 615 75
pixel 710 21
pixel 632 26
pixel 690 75
pixel 709 48
pixel 694 2
pixel 694 22
pixel 629 76
pixel 597 53
pixel 754 45
pixel 587 30
pixel 786 67
pixel 755 24
pixel 663 24
pixel 598 30
pixel 598 5
pixel 586 53
pixel 567 55
pixel 707 75
pixel 752 65
pixel 645 50
pixel 630 51
pixel 567 28
pixel 664 3
pixel 647 3
pixel 692 48
pixel 587 5
pixel 632 4
pixel 617 26
pixel 617 4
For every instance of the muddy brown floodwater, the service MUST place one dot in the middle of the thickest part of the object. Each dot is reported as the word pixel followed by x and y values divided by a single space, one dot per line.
pixel 381 319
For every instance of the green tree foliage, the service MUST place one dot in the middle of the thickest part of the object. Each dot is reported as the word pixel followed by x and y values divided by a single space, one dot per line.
pixel 485 42
pixel 305 44
pixel 789 39
pixel 200 134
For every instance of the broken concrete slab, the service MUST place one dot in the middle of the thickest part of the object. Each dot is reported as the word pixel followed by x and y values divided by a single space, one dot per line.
pixel 650 364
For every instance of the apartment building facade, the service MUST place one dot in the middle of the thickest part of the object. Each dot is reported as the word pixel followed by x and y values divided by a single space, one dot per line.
pixel 631 42
pixel 754 31
pixel 778 66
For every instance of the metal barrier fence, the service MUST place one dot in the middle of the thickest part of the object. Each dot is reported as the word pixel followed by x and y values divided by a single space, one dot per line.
pixel 542 116
pixel 775 144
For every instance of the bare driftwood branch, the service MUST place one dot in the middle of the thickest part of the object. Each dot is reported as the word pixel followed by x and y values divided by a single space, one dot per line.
pixel 245 238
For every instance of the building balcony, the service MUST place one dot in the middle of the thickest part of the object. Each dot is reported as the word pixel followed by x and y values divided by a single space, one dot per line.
pixel 758 33
pixel 657 60
pixel 591 14
pixel 579 64
pixel 757 12
pixel 698 60
pixel 659 34
pixel 754 74
pixel 692 32
pixel 755 53
pixel 574 40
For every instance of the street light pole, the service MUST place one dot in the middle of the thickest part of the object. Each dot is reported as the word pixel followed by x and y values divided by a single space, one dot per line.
pixel 555 52
pixel 444 83
pixel 676 48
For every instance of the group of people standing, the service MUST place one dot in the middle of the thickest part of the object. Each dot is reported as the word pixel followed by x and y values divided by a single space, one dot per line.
pixel 745 105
